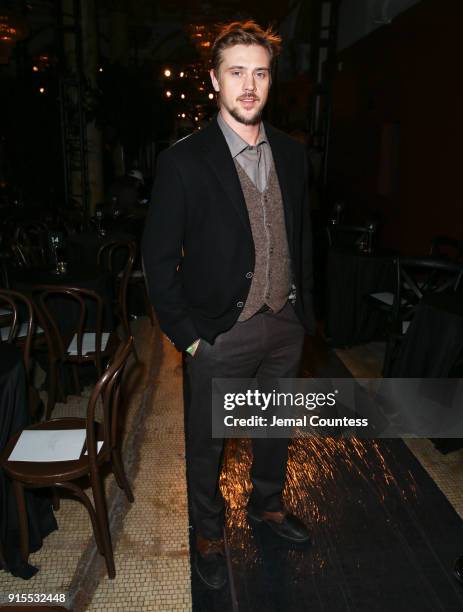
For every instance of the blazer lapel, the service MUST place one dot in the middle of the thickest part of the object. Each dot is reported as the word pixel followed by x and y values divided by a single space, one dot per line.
pixel 218 156
pixel 285 177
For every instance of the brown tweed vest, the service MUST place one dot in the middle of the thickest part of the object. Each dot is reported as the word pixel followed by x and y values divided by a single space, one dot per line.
pixel 271 280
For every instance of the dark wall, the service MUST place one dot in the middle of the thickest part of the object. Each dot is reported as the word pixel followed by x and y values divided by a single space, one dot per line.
pixel 397 137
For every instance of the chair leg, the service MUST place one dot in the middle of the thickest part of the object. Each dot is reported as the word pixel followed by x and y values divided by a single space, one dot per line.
pixel 134 351
pixel 149 308
pixel 102 518
pixel 119 473
pixel 99 367
pixel 390 346
pixel 52 388
pixel 61 395
pixel 76 381
pixel 128 333
pixel 55 500
pixel 78 492
pixel 23 521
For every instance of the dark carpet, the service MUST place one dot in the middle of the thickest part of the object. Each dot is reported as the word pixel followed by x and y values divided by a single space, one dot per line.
pixel 384 536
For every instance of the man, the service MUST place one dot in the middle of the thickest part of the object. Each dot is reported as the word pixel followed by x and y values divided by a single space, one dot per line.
pixel 124 192
pixel 227 255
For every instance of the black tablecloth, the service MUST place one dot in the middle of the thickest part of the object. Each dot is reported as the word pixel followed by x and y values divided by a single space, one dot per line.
pixel 133 223
pixel 83 248
pixel 82 276
pixel 14 417
pixel 351 276
pixel 433 344
pixel 65 310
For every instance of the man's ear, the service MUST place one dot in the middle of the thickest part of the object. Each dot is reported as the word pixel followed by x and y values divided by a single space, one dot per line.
pixel 215 82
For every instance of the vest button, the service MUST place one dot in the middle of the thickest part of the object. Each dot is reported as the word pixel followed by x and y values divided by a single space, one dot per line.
pixel 240 304
pixel 249 275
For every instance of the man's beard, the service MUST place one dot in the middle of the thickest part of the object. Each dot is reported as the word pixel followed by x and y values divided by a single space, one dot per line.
pixel 254 120
pixel 236 114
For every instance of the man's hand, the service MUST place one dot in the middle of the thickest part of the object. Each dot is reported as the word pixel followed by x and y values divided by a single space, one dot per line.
pixel 193 347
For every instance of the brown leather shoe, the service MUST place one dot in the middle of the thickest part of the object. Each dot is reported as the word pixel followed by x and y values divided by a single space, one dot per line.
pixel 210 562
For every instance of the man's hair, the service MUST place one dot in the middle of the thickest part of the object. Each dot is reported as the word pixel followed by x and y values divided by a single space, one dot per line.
pixel 244 33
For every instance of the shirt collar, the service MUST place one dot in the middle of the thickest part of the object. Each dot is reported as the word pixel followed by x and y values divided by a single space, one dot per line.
pixel 235 143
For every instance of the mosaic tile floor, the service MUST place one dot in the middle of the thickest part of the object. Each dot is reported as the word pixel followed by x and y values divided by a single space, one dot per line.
pixel 152 556
pixel 150 537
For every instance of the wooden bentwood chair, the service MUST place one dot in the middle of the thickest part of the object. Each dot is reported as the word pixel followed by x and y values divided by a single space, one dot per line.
pixel 67 474
pixel 83 339
pixel 416 278
pixel 117 257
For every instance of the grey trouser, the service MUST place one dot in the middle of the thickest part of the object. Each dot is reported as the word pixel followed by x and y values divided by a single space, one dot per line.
pixel 267 346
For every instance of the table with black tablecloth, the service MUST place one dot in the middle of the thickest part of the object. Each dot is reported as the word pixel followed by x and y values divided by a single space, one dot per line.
pixel 351 276
pixel 83 248
pixel 65 310
pixel 433 344
pixel 14 416
pixel 80 276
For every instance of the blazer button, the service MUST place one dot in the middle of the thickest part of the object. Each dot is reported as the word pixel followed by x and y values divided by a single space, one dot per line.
pixel 249 275
pixel 240 304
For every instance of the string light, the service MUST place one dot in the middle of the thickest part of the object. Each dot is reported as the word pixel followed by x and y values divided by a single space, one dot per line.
pixel 100 69
pixel 183 115
pixel 196 118
pixel 35 68
pixel 168 93
pixel 182 74
pixel 167 72
pixel 42 90
pixel 211 96
pixel 182 96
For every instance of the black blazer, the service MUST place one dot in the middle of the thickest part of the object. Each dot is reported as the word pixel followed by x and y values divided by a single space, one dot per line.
pixel 197 245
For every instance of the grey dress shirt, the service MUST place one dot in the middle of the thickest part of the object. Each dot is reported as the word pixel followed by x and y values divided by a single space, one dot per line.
pixel 256 160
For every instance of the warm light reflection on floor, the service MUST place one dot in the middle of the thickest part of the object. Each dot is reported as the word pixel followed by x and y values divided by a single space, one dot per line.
pixel 321 477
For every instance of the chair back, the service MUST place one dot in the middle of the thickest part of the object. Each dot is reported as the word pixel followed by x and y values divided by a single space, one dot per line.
pixel 72 311
pixel 31 239
pixel 350 236
pixel 419 277
pixel 20 256
pixel 4 274
pixel 16 310
pixel 118 257
pixel 444 247
pixel 107 390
